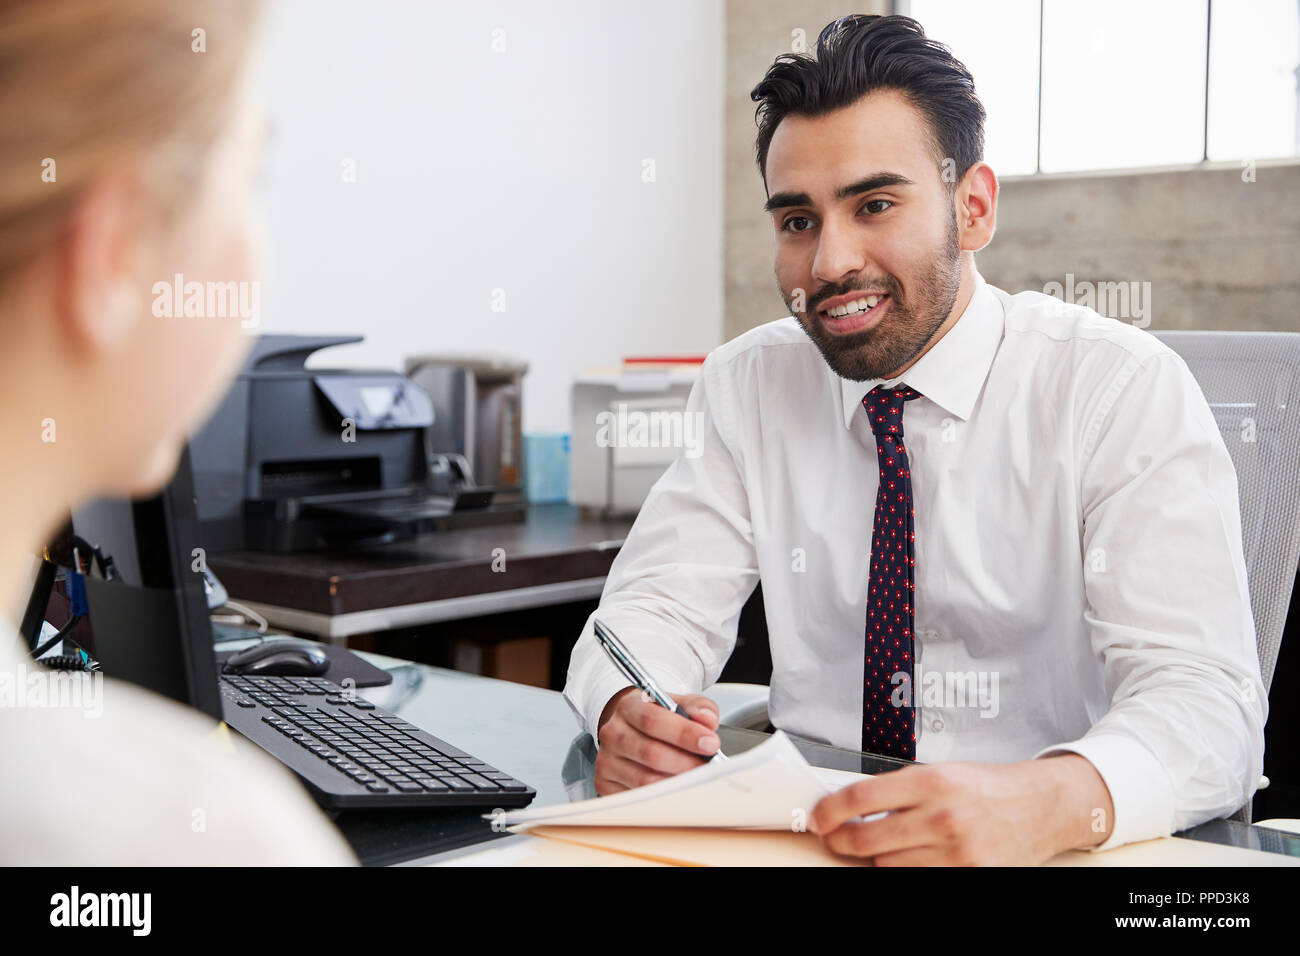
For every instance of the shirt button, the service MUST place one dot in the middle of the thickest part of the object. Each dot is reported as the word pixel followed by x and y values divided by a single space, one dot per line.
pixel 937 724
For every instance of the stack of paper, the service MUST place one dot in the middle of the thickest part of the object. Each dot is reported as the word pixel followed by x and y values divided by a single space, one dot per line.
pixel 698 818
pixel 770 787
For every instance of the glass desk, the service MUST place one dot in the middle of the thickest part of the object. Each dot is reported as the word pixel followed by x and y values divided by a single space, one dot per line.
pixel 531 734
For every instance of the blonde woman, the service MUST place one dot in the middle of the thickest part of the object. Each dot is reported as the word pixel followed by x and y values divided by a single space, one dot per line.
pixel 127 152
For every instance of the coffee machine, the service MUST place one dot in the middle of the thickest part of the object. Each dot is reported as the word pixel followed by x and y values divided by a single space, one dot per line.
pixel 479 402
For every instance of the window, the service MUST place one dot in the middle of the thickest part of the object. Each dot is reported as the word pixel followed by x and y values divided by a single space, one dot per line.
pixel 1254 79
pixel 1073 85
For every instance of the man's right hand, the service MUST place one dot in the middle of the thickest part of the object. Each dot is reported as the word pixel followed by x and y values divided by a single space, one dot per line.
pixel 641 742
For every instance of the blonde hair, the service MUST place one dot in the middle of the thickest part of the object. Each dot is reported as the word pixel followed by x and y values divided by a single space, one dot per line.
pixel 88 86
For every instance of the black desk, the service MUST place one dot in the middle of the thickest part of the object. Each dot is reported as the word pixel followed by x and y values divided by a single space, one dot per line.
pixel 553 557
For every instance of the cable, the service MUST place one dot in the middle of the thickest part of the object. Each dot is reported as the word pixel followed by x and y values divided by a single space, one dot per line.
pixel 59 635
pixel 63 662
pixel 67 662
pixel 249 614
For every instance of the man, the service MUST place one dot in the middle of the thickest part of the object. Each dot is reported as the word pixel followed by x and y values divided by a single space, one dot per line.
pixel 933 477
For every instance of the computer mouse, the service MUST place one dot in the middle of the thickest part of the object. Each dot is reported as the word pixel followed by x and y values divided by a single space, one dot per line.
pixel 280 657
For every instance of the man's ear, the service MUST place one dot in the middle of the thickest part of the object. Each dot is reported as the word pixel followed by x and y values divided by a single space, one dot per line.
pixel 101 295
pixel 977 207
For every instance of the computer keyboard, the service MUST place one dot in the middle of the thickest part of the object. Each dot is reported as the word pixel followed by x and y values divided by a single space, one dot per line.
pixel 351 754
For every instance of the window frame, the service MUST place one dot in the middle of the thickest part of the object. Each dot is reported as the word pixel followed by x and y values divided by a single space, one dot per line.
pixel 903 7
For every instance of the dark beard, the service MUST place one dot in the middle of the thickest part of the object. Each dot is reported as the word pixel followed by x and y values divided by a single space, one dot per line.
pixel 875 353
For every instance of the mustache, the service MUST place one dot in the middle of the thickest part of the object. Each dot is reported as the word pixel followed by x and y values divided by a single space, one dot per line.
pixel 887 286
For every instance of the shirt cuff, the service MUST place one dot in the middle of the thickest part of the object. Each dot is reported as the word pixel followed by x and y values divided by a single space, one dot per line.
pixel 1139 787
pixel 597 696
pixel 588 705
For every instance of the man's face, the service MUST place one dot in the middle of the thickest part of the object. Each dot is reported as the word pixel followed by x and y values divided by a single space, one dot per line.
pixel 861 213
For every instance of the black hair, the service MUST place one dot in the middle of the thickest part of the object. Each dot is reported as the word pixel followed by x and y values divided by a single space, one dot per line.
pixel 858 54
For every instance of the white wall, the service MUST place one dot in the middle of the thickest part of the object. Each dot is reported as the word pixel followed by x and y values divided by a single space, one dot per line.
pixel 479 170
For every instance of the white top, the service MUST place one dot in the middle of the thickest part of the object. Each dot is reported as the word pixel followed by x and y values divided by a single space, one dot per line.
pixel 1079 575
pixel 147 781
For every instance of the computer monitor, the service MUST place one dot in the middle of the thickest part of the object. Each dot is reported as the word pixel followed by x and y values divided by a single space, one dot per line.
pixel 152 627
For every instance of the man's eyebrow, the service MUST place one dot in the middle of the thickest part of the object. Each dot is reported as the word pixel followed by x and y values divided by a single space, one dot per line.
pixel 865 185
pixel 786 200
pixel 878 181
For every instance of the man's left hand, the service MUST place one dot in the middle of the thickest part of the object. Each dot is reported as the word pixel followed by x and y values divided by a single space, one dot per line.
pixel 965 814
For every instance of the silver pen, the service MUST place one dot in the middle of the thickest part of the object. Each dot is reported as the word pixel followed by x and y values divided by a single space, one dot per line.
pixel 638 675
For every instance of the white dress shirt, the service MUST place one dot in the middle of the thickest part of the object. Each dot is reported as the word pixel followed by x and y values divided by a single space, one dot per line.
pixel 128 778
pixel 1078 555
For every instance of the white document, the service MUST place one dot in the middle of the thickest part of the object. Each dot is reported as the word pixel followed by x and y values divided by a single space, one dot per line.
pixel 769 787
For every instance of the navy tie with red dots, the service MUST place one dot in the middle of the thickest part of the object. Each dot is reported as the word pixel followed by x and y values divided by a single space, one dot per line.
pixel 887 729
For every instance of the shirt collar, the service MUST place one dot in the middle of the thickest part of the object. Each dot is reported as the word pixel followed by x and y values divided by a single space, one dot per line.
pixel 952 373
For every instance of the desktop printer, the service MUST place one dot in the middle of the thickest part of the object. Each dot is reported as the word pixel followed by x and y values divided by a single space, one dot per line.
pixel 298 459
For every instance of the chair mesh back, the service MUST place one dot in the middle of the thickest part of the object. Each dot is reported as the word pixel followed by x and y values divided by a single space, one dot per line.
pixel 1248 379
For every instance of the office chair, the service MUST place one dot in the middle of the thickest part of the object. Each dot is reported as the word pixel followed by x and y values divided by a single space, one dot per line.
pixel 1247 379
